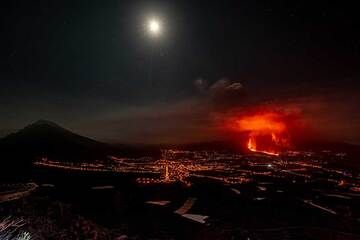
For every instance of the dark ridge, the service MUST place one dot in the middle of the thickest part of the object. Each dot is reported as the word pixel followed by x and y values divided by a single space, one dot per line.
pixel 46 139
pixel 43 122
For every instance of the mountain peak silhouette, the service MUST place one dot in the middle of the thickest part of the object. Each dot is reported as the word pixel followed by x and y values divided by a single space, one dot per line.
pixel 44 122
pixel 46 138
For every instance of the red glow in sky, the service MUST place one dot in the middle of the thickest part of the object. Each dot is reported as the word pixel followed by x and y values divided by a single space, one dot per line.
pixel 267 132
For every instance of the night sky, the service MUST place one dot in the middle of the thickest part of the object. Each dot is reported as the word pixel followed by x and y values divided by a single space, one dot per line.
pixel 90 66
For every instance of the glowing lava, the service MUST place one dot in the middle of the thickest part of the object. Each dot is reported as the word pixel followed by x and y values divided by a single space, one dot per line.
pixel 267 132
pixel 252 147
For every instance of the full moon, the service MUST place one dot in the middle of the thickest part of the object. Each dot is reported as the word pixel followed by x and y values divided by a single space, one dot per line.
pixel 154 27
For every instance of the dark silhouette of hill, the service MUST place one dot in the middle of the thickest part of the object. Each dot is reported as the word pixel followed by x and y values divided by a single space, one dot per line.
pixel 44 138
pixel 47 139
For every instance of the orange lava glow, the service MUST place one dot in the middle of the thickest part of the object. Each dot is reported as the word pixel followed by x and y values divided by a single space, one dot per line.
pixel 267 132
pixel 251 145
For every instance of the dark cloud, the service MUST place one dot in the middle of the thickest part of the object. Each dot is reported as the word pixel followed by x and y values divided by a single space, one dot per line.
pixel 222 94
pixel 201 84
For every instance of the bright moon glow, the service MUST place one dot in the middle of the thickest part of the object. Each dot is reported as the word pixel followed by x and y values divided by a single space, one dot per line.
pixel 154 27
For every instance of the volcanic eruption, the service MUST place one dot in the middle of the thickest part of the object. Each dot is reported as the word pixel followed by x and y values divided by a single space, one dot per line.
pixel 266 132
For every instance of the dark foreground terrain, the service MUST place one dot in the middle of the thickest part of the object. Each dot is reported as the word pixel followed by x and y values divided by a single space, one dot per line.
pixel 192 195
